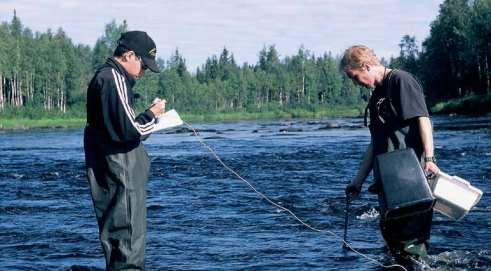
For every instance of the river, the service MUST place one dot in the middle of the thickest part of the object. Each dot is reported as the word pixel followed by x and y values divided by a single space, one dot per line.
pixel 201 217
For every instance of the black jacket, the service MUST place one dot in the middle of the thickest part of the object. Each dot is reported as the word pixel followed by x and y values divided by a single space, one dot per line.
pixel 109 106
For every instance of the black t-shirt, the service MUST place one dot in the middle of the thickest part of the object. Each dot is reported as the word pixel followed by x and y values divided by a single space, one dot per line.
pixel 394 107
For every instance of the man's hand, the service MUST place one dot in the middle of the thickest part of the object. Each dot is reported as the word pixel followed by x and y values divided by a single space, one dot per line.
pixel 432 168
pixel 158 107
pixel 352 191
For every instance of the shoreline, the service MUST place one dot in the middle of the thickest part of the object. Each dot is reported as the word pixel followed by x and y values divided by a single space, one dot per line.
pixel 469 105
pixel 24 124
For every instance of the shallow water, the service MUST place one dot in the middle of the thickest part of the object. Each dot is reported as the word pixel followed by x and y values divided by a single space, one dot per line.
pixel 200 217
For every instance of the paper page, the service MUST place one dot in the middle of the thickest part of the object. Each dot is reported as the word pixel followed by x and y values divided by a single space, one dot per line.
pixel 168 120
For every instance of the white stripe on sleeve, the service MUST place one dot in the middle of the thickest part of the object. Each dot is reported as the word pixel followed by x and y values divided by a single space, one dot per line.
pixel 142 129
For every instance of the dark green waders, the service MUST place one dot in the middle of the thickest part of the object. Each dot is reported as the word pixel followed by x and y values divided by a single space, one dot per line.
pixel 117 179
pixel 405 201
pixel 408 236
pixel 405 235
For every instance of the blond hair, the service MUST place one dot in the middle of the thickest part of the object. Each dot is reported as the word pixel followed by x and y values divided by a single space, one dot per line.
pixel 357 56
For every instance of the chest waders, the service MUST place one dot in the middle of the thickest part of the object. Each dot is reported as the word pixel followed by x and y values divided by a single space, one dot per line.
pixel 406 234
pixel 117 181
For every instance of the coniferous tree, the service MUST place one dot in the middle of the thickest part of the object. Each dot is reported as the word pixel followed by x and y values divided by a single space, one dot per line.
pixel 444 49
pixel 105 45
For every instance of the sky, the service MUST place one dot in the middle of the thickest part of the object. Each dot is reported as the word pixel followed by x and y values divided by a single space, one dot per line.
pixel 202 28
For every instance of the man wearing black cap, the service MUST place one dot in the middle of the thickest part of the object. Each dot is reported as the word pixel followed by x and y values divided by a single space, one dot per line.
pixel 116 162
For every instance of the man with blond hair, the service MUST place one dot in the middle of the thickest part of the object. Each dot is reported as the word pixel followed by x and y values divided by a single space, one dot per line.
pixel 399 119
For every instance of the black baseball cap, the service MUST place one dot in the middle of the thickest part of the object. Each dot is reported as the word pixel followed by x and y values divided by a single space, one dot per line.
pixel 143 46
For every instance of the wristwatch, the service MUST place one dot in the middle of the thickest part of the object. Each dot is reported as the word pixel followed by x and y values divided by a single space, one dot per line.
pixel 430 159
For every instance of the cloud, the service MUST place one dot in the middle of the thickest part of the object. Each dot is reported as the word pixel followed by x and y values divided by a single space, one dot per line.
pixel 200 29
pixel 70 4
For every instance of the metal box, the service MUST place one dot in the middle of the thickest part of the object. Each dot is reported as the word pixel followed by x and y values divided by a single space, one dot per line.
pixel 455 196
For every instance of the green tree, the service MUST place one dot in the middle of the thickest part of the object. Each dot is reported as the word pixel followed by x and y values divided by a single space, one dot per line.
pixel 408 57
pixel 330 82
pixel 47 71
pixel 445 49
pixel 105 45
pixel 480 41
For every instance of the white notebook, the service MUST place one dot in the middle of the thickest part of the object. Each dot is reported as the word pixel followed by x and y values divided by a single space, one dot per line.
pixel 167 120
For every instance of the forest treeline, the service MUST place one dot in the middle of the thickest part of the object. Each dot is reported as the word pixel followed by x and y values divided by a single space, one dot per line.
pixel 48 72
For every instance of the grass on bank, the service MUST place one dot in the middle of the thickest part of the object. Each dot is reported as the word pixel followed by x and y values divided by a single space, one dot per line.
pixel 473 104
pixel 293 113
pixel 35 117
pixel 24 123
pixel 26 119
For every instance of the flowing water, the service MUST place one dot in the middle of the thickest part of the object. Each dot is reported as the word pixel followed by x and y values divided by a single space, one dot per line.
pixel 200 217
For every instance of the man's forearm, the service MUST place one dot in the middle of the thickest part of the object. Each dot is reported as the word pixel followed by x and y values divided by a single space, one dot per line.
pixel 365 167
pixel 426 134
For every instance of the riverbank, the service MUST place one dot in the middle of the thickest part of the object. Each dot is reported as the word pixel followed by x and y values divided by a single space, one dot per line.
pixel 473 104
pixel 328 112
pixel 47 122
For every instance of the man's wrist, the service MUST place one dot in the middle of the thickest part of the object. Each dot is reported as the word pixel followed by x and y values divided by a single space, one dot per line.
pixel 430 159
